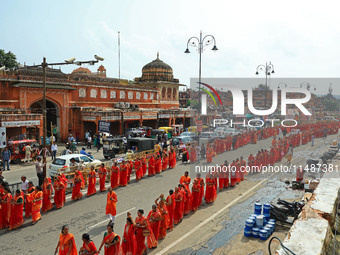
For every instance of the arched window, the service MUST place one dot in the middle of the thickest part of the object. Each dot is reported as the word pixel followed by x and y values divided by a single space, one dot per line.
pixel 113 94
pixel 169 94
pixel 130 95
pixel 163 93
pixel 138 95
pixel 93 93
pixel 103 93
pixel 82 92
pixel 174 93
pixel 122 95
pixel 152 96
pixel 145 94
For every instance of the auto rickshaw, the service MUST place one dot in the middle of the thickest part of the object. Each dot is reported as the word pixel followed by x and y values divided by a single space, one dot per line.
pixel 167 130
pixel 113 146
pixel 140 144
pixel 17 149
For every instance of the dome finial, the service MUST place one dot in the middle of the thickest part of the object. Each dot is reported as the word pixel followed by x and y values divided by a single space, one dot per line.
pixel 157 54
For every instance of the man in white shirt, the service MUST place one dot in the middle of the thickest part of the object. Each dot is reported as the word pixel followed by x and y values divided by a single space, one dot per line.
pixel 89 142
pixel 24 184
pixel 54 149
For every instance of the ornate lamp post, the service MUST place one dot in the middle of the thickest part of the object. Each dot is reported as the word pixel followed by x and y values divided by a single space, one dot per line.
pixel 268 70
pixel 200 43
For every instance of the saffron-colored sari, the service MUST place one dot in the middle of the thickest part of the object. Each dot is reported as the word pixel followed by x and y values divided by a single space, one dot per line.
pixel 144 166
pixel 36 207
pixel 129 244
pixel 76 191
pixel 102 176
pixel 59 191
pixel 65 243
pixel 89 248
pixel 111 204
pixel 164 223
pixel 113 249
pixel 170 208
pixel 196 189
pixel 115 177
pixel 91 189
pixel 210 194
pixel 151 166
pixel 28 205
pixel 138 169
pixel 158 165
pixel 47 192
pixel 172 159
pixel 17 218
pixel 5 211
pixel 140 238
pixel 178 212
pixel 123 175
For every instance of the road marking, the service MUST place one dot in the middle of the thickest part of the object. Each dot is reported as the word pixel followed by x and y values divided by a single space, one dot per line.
pixel 84 192
pixel 99 223
pixel 206 221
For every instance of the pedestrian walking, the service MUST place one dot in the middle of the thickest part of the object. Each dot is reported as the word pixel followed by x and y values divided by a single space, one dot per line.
pixel 89 142
pixel 54 149
pixel 6 158
pixel 39 169
pixel 66 244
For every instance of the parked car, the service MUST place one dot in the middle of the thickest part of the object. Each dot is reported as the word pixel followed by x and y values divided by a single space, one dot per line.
pixel 191 134
pixel 64 161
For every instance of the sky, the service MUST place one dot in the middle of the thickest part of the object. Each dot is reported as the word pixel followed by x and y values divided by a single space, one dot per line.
pixel 300 38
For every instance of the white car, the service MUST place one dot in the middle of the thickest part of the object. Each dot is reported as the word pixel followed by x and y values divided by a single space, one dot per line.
pixel 64 161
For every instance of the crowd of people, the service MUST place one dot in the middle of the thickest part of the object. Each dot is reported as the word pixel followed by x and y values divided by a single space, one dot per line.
pixel 166 212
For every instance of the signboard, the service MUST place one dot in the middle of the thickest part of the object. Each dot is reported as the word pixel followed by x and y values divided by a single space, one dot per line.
pixel 164 116
pixel 89 118
pixel 136 117
pixel 154 116
pixel 20 123
pixel 111 118
pixel 181 115
pixel 104 126
pixel 2 137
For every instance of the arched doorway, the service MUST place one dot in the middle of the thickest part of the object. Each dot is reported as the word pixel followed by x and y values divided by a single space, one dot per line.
pixel 52 115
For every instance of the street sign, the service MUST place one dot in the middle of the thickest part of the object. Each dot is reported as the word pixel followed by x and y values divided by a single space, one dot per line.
pixel 104 126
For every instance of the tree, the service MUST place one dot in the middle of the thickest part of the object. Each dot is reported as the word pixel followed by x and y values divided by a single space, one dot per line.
pixel 331 105
pixel 194 104
pixel 9 60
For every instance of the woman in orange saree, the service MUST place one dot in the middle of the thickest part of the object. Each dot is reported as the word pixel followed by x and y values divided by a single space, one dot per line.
pixel 47 194
pixel 129 244
pixel 89 248
pixel 37 197
pixel 66 244
pixel 130 167
pixel 172 158
pixel 151 166
pixel 28 204
pixel 76 191
pixel 102 177
pixel 91 189
pixel 115 176
pixel 123 175
pixel 59 191
pixel 196 188
pixel 138 169
pixel 192 154
pixel 64 179
pixel 112 242
pixel 210 154
pixel 17 218
pixel 6 208
pixel 154 218
pixel 165 160
pixel 164 217
pixel 143 230
pixel 178 211
pixel 170 206
pixel 210 194
pixel 144 166
pixel 158 164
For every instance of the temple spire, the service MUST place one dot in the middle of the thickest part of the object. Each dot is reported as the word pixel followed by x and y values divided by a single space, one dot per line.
pixel 157 54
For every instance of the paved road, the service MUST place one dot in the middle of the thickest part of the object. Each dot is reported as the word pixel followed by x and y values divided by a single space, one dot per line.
pixel 88 215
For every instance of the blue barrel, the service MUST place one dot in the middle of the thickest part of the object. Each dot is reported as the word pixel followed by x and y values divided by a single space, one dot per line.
pixel 271 227
pixel 270 223
pixel 253 219
pixel 258 208
pixel 272 220
pixel 263 234
pixel 266 208
pixel 256 232
pixel 260 221
pixel 268 230
pixel 247 232
pixel 267 217
pixel 249 225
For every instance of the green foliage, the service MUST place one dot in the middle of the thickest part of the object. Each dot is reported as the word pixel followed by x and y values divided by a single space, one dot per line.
pixel 188 103
pixel 9 60
pixel 194 104
pixel 331 105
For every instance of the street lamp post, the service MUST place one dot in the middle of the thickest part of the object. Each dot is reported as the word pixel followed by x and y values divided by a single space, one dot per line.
pixel 268 69
pixel 200 43
pixel 44 65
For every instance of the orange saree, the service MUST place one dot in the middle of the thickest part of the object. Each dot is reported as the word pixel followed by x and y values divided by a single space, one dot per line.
pixel 17 218
pixel 67 245
pixel 37 198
